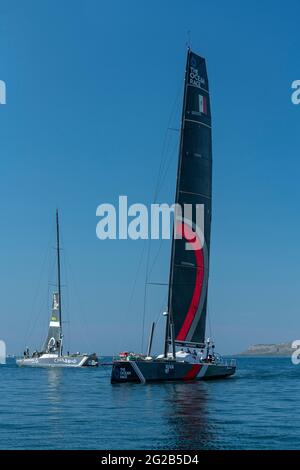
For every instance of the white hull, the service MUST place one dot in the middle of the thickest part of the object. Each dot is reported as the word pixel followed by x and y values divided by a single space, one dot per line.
pixel 47 360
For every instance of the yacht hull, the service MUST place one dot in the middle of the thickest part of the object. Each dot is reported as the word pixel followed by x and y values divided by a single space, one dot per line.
pixel 62 361
pixel 164 370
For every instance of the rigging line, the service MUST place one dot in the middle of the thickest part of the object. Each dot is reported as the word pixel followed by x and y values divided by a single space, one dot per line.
pixel 46 304
pixel 209 315
pixel 209 321
pixel 161 240
pixel 160 172
pixel 35 297
pixel 188 42
pixel 156 191
pixel 54 284
pixel 157 283
pixel 171 127
pixel 66 297
pixel 159 315
pixel 170 160
pixel 73 280
pixel 166 151
pixel 168 156
pixel 43 304
pixel 45 308
pixel 156 257
pixel 42 308
pixel 167 163
pixel 135 280
pixel 166 135
pixel 162 180
pixel 145 294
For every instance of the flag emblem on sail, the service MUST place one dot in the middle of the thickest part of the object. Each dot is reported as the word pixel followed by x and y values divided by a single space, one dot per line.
pixel 202 104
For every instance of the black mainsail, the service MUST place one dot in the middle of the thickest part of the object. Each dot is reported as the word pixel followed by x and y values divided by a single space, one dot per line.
pixel 190 246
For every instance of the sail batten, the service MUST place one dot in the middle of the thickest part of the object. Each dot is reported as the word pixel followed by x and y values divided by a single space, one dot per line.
pixel 189 268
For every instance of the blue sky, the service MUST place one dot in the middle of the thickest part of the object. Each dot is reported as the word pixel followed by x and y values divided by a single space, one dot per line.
pixel 90 89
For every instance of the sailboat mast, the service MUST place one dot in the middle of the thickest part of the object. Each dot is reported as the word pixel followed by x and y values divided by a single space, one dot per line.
pixel 58 278
pixel 169 333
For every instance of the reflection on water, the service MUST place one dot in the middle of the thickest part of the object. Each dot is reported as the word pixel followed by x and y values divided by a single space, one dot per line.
pixel 186 413
pixel 175 415
pixel 54 378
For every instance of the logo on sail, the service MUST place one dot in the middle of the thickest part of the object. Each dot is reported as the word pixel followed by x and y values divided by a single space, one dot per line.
pixel 194 77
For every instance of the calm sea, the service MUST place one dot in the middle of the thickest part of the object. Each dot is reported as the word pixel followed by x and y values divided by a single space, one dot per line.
pixel 79 409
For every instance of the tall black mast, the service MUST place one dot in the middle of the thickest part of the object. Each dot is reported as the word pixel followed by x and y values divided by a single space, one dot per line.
pixel 58 279
pixel 169 333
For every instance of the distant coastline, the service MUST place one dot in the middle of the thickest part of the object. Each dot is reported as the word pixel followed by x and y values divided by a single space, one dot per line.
pixel 269 350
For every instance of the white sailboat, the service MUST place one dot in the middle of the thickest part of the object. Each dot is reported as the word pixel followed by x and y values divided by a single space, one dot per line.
pixel 52 351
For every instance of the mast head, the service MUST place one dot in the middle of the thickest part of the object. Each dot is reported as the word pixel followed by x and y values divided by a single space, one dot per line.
pixel 188 42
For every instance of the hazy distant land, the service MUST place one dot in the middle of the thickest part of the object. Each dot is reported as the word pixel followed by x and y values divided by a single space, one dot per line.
pixel 281 349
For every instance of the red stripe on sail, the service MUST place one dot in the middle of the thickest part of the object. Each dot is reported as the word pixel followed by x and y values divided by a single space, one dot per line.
pixel 192 237
pixel 193 372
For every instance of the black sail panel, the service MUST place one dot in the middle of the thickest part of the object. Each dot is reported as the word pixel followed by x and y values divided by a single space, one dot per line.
pixel 190 267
